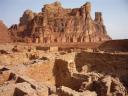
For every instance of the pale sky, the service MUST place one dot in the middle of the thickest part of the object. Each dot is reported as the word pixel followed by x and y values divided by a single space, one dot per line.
pixel 115 12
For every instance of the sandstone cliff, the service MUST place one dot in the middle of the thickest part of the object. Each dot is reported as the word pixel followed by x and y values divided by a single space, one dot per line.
pixel 4 33
pixel 58 25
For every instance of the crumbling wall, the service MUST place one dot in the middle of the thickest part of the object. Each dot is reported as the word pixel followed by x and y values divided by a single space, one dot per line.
pixel 65 91
pixel 113 64
pixel 61 73
pixel 41 72
pixel 13 59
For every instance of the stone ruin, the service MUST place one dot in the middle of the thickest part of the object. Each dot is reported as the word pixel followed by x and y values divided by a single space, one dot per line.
pixel 56 24
pixel 51 73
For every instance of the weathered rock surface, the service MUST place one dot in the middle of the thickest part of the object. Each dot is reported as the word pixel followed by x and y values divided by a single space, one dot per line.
pixel 56 25
pixel 4 33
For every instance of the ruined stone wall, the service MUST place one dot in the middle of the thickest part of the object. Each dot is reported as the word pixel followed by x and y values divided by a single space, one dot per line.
pixel 113 64
pixel 41 72
pixel 114 46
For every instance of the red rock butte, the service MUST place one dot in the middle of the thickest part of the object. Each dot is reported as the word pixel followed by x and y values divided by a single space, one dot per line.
pixel 56 24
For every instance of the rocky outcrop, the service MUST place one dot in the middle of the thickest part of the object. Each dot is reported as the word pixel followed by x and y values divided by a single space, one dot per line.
pixel 58 25
pixel 4 33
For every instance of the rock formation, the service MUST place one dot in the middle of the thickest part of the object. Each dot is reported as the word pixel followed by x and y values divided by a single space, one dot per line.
pixel 4 33
pixel 58 25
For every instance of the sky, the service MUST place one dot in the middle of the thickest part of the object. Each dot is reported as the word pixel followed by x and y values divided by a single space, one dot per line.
pixel 115 12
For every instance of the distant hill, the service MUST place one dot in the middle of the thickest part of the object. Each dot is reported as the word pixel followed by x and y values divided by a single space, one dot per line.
pixel 115 45
pixel 4 33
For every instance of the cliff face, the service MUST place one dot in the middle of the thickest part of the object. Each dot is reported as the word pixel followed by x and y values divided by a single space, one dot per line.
pixel 58 25
pixel 4 33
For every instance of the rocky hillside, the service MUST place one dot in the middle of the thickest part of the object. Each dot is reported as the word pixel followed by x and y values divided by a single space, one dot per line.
pixel 56 24
pixel 4 33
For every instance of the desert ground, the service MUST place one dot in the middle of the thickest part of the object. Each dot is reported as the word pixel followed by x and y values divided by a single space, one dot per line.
pixel 35 70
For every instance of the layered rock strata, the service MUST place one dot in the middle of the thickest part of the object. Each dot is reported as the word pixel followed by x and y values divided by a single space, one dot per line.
pixel 56 24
